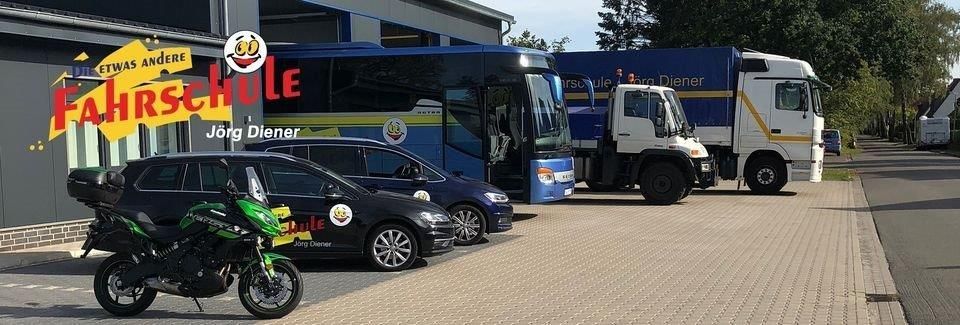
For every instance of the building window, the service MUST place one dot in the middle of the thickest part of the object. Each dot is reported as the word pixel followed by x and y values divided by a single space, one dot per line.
pixel 86 147
pixel 393 35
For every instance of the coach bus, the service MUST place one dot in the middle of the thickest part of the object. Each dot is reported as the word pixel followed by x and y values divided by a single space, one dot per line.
pixel 494 113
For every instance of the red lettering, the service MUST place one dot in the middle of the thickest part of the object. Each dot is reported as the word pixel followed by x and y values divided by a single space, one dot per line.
pixel 271 92
pixel 216 90
pixel 188 98
pixel 60 106
pixel 166 96
pixel 249 96
pixel 113 105
pixel 290 80
pixel 144 103
pixel 90 113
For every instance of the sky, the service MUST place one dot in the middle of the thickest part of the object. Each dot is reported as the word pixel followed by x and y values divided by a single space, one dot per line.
pixel 554 19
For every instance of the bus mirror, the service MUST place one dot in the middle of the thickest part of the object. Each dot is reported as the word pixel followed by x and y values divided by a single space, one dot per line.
pixel 591 98
pixel 661 110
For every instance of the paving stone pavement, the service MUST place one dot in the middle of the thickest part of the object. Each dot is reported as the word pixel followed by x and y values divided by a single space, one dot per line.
pixel 722 256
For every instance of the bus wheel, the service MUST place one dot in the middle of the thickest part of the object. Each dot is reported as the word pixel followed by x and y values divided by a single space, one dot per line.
pixel 766 175
pixel 662 184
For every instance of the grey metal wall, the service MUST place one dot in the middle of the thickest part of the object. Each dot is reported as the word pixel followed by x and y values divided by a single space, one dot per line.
pixel 32 55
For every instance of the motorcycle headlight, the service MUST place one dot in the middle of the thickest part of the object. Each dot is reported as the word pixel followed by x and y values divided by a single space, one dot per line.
pixel 434 217
pixel 496 197
pixel 268 219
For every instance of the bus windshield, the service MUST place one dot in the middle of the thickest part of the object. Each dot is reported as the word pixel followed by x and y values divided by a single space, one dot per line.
pixel 549 116
pixel 679 117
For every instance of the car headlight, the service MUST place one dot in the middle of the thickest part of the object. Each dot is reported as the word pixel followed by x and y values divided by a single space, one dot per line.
pixel 434 217
pixel 496 197
pixel 545 175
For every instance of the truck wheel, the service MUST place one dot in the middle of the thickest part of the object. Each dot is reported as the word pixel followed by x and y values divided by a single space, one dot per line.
pixel 598 187
pixel 686 191
pixel 766 175
pixel 662 184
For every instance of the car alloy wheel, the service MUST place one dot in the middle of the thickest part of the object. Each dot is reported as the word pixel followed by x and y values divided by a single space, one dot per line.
pixel 466 225
pixel 392 248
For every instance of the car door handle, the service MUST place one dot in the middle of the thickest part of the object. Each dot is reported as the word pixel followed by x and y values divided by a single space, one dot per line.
pixel 777 131
pixel 624 134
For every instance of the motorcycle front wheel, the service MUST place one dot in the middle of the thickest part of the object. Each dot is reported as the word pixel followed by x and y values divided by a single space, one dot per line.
pixel 268 299
pixel 115 298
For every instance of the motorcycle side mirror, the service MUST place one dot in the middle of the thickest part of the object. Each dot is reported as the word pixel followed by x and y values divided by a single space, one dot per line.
pixel 693 127
pixel 222 163
pixel 419 179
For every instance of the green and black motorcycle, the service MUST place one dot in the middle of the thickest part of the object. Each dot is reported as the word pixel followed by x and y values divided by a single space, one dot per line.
pixel 196 259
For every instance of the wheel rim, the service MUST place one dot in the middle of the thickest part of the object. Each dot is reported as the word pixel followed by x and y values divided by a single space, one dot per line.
pixel 662 184
pixel 392 248
pixel 273 294
pixel 466 225
pixel 115 292
pixel 766 176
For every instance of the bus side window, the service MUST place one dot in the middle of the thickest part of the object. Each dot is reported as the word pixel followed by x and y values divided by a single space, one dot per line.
pixel 463 123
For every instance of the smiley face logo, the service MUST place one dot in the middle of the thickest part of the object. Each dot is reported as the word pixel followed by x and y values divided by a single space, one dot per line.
pixel 245 51
pixel 394 131
pixel 421 194
pixel 340 215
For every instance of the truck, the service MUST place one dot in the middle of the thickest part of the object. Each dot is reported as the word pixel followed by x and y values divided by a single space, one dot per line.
pixel 641 138
pixel 758 115
pixel 934 130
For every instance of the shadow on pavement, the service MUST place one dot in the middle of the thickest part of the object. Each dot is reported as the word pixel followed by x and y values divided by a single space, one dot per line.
pixel 938 204
pixel 76 266
pixel 79 312
pixel 914 174
pixel 523 216
pixel 601 202
pixel 745 191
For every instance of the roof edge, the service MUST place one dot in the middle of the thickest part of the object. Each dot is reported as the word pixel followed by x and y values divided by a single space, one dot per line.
pixel 483 10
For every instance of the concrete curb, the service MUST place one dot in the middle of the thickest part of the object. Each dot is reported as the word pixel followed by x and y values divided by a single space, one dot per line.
pixel 878 282
pixel 41 255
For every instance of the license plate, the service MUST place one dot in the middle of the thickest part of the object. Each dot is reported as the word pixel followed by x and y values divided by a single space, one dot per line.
pixel 801 165
pixel 567 192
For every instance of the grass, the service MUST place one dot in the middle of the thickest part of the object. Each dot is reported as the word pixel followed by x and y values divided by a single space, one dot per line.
pixel 846 151
pixel 838 174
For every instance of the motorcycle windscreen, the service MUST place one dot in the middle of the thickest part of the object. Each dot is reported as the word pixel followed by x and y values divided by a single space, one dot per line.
pixel 254 188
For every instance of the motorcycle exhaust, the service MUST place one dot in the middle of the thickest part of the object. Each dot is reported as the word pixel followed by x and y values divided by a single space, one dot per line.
pixel 165 287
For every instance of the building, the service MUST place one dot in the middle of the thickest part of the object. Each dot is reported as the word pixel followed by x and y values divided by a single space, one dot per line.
pixel 41 39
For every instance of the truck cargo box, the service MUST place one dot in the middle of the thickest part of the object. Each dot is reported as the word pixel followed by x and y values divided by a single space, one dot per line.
pixel 705 78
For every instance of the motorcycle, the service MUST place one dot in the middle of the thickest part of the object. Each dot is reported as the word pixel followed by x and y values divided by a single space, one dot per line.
pixel 197 258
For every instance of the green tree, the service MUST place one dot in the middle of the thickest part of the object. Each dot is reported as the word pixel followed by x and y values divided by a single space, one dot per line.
pixel 908 44
pixel 621 25
pixel 530 40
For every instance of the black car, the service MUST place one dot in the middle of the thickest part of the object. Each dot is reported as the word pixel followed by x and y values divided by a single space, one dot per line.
pixel 331 215
pixel 476 207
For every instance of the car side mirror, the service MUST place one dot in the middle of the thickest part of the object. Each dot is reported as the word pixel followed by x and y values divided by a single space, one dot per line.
pixel 419 179
pixel 333 193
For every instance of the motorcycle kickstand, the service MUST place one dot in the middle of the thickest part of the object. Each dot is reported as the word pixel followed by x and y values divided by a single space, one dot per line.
pixel 198 304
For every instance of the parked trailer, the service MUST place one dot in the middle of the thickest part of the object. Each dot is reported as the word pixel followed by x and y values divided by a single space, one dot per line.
pixel 934 130
pixel 759 115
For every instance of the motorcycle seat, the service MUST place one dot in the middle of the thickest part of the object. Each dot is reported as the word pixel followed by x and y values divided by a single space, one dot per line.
pixel 162 234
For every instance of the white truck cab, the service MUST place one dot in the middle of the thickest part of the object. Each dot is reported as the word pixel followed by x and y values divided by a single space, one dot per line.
pixel 641 138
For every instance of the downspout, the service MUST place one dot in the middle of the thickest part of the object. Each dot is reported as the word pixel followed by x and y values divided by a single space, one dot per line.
pixel 504 34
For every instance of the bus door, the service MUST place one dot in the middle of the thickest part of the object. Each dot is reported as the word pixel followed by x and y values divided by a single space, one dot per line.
pixel 504 141
pixel 463 132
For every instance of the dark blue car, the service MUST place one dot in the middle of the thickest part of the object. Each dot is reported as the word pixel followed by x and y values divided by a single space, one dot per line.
pixel 832 141
pixel 475 207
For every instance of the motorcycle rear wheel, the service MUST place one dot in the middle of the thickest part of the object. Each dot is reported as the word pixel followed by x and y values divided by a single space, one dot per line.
pixel 106 287
pixel 257 297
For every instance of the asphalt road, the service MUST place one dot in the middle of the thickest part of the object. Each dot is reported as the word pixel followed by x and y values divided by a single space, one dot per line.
pixel 915 200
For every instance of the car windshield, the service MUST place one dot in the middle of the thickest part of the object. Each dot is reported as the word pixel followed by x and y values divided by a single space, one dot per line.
pixel 549 116
pixel 679 116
